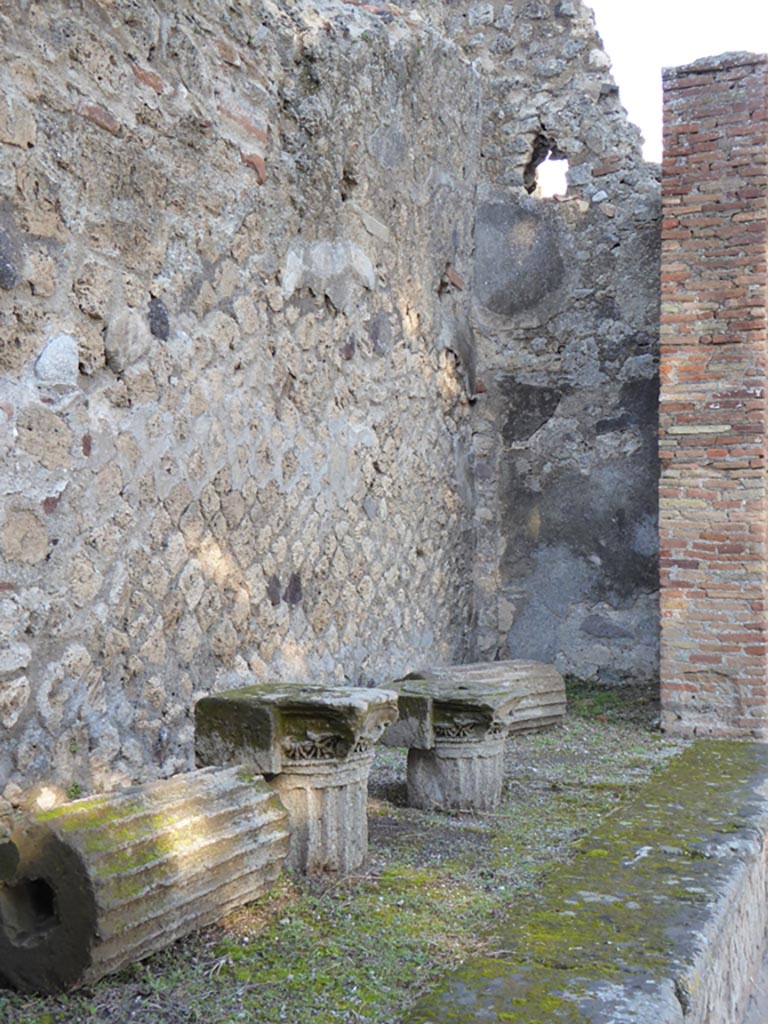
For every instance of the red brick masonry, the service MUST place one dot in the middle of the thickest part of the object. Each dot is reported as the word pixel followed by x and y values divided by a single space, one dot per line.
pixel 712 443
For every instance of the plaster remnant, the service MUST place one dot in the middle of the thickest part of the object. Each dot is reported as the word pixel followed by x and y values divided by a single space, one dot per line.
pixel 338 270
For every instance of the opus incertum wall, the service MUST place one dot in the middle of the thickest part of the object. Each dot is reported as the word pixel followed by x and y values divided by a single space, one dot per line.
pixel 299 377
pixel 713 411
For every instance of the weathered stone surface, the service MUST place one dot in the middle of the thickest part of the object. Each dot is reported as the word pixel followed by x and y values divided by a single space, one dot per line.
pixel 565 319
pixel 679 882
pixel 456 776
pixel 316 747
pixel 91 886
pixel 518 259
pixel 159 324
pixel 9 261
pixel 509 696
pixel 14 696
pixel 271 726
pixel 337 270
pixel 24 537
pixel 454 720
pixel 58 362
pixel 273 371
pixel 127 340
pixel 326 802
pixel 316 473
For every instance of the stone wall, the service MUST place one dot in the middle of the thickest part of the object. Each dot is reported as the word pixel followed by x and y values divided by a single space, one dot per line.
pixel 299 378
pixel 565 316
pixel 714 500
pixel 235 422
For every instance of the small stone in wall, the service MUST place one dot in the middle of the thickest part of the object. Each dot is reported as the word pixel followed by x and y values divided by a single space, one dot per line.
pixel 39 272
pixel 44 435
pixel 58 362
pixel 9 261
pixel 24 538
pixel 13 699
pixel 293 593
pixel 273 591
pixel 159 323
pixel 480 14
pixel 380 332
pixel 126 341
pixel 14 657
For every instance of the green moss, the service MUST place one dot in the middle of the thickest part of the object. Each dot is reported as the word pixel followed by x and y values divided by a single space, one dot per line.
pixel 641 880
pixel 439 891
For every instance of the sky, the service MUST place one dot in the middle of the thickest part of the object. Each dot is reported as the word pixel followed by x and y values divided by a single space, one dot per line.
pixel 643 37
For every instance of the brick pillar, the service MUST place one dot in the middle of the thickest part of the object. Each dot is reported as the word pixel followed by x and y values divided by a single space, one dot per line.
pixel 713 493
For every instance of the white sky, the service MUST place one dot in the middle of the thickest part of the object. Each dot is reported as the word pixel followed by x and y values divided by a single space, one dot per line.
pixel 642 37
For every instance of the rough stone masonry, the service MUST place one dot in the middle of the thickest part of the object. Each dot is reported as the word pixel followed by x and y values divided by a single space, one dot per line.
pixel 300 375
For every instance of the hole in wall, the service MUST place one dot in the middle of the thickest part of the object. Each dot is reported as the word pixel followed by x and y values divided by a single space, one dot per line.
pixel 28 911
pixel 552 178
pixel 349 182
pixel 545 174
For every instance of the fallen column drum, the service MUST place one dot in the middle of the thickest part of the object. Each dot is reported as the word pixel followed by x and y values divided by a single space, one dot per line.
pixel 102 882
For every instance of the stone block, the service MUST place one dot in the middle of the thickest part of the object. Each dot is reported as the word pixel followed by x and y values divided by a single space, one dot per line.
pixel 315 746
pixel 127 340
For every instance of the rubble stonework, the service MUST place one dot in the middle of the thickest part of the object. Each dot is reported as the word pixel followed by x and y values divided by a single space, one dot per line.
pixel 298 378
pixel 713 492
pixel 565 316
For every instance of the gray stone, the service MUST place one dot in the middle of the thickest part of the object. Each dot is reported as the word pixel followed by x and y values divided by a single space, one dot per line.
pixel 389 146
pixel 480 14
pixel 14 656
pixel 599 625
pixel 456 776
pixel 528 408
pixel 339 270
pixel 159 323
pixel 9 261
pixel 518 260
pixel 454 720
pixel 58 363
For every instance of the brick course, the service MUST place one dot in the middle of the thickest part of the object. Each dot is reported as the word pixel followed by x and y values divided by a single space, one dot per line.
pixel 712 429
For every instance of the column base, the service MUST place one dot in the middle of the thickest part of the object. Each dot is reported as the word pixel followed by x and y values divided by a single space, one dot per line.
pixel 327 817
pixel 457 775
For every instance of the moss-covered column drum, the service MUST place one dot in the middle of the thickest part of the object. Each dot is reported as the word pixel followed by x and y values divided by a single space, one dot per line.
pixel 455 722
pixel 105 881
pixel 315 747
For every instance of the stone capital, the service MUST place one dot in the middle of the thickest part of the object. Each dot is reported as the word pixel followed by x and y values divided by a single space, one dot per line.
pixel 434 708
pixel 277 726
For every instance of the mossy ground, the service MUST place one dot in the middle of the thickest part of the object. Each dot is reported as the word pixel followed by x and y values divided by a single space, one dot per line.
pixel 436 892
